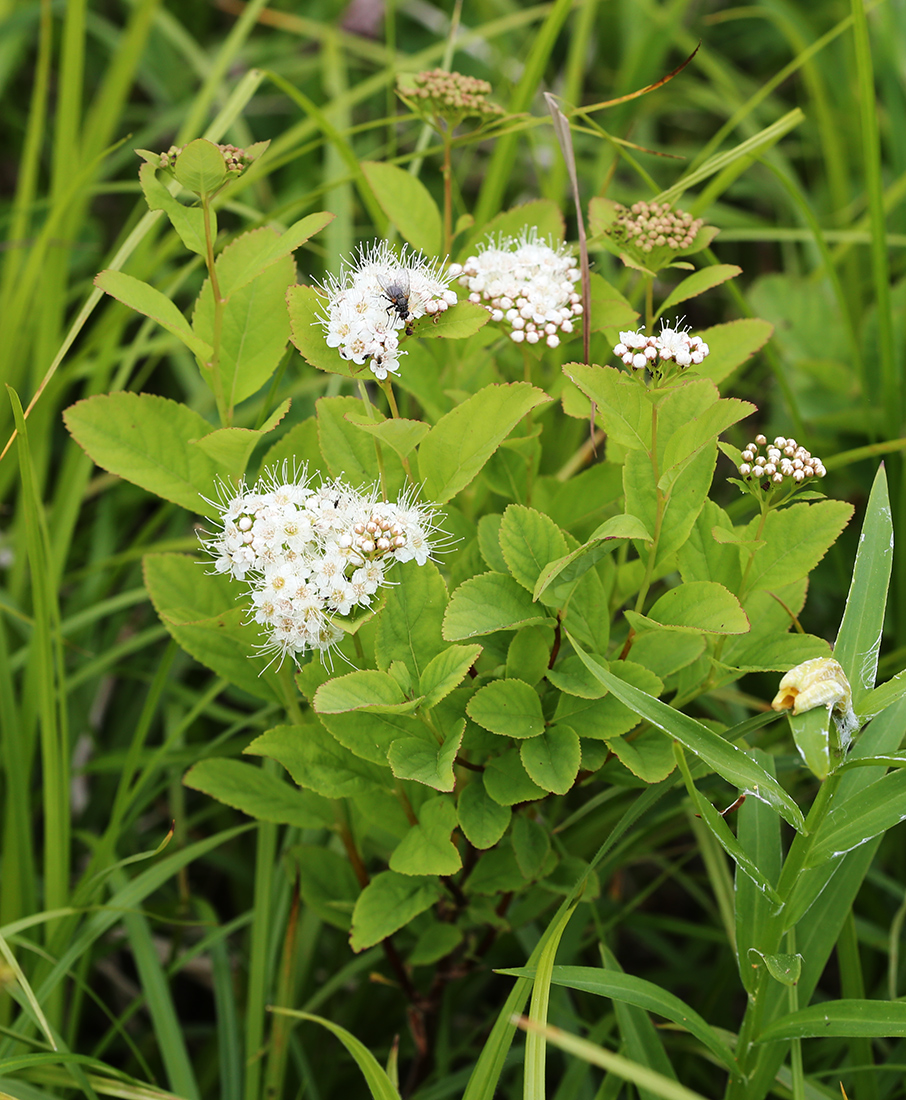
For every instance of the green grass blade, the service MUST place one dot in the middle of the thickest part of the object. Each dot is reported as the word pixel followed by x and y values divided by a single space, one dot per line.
pixel 859 637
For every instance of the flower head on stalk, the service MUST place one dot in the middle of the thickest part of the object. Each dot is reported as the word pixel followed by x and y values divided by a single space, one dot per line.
pixel 654 353
pixel 770 471
pixel 526 284
pixel 312 552
pixel 375 297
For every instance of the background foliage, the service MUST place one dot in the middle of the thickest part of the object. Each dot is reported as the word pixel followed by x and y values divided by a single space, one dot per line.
pixel 171 956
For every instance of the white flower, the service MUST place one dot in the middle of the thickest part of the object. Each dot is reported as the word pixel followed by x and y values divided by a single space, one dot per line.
pixel 375 296
pixel 671 344
pixel 310 554
pixel 525 283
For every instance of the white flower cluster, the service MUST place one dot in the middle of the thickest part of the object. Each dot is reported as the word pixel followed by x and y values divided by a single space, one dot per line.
pixel 311 552
pixel 376 296
pixel 671 344
pixel 526 283
pixel 784 458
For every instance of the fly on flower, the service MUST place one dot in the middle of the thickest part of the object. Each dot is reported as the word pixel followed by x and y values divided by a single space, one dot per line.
pixel 376 297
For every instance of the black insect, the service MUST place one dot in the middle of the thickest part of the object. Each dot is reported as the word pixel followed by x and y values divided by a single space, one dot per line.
pixel 395 288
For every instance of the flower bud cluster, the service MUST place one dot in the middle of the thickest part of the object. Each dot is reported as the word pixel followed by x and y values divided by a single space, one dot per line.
pixel 670 345
pixel 377 295
pixel 782 460
pixel 650 225
pixel 452 96
pixel 526 284
pixel 235 159
pixel 310 553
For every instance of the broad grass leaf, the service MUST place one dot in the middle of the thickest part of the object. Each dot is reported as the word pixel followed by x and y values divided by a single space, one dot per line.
pixel 552 760
pixel 147 440
pixel 487 603
pixel 185 597
pixel 306 307
pixel 638 991
pixel 409 626
pixel 379 1084
pixel 445 672
pixel 427 848
pixel 317 762
pixel 510 708
pixel 698 283
pixel 727 760
pixel 483 820
pixel 701 607
pixel 796 539
pixel 529 540
pixel 408 204
pixel 425 761
pixel 460 443
pixel 840 1019
pixel 387 904
pixel 854 821
pixel 200 167
pixel 145 299
pixel 859 637
pixel 730 345
pixel 623 408
pixel 815 741
pixel 255 325
pixel 258 793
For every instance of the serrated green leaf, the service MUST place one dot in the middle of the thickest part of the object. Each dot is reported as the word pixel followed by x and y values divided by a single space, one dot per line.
pixel 541 215
pixel 461 442
pixel 409 627
pixel 609 309
pixel 258 793
pixel 400 434
pixel 622 403
pixel 457 323
pixel 407 203
pixel 483 820
pixel 185 599
pixel 366 690
pixel 796 539
pixel 254 327
pixel 647 755
pixel 146 440
pixel 431 764
pixel 528 654
pixel 347 451
pixel 231 448
pixel 552 760
pixel 388 903
pixel 427 848
pixel 507 782
pixel 317 762
pixel 698 283
pixel 701 607
pixel 531 845
pixel 731 344
pixel 200 167
pixel 188 221
pixel 271 249
pixel 445 672
pixel 489 602
pixel 370 736
pixel 603 540
pixel 307 307
pixel 327 884
pixel 510 708
pixel 727 760
pixel 529 540
pixel 146 300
